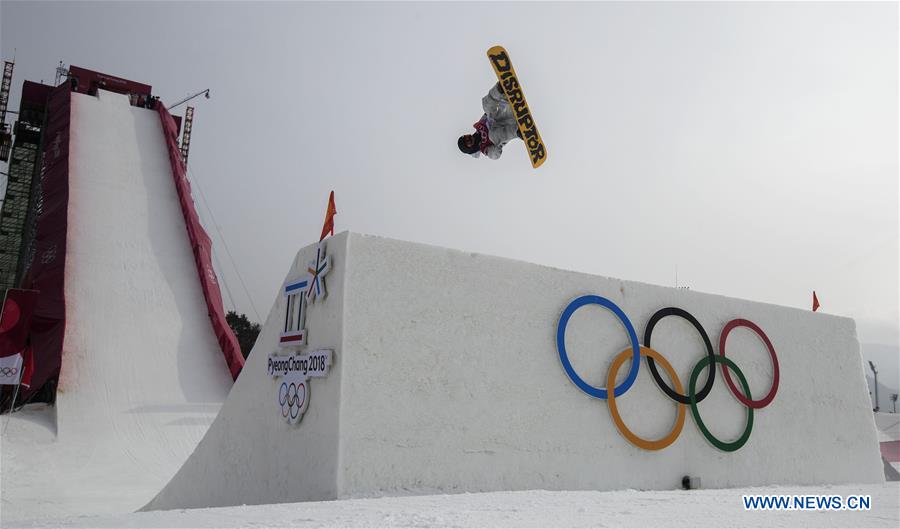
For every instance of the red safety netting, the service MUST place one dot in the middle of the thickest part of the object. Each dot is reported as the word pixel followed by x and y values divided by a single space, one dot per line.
pixel 202 248
pixel 47 271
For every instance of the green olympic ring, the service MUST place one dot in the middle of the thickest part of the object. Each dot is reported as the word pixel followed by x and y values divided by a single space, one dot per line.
pixel 692 394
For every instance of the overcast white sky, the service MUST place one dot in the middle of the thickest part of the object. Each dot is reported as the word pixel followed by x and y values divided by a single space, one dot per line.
pixel 752 146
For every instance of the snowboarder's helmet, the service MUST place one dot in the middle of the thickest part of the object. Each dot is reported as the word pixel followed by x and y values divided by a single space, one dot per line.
pixel 468 143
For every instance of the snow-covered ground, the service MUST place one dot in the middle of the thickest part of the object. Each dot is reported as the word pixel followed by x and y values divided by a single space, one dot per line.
pixel 629 508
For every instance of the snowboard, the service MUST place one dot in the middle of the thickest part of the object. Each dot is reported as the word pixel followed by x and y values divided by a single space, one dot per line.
pixel 512 89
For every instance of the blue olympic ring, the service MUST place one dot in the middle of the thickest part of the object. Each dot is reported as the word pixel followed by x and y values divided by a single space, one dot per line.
pixel 599 393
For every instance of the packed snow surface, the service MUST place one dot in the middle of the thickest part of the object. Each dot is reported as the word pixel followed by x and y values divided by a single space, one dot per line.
pixel 628 508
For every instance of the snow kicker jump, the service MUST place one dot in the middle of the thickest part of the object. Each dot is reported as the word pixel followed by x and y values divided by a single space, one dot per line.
pixel 430 370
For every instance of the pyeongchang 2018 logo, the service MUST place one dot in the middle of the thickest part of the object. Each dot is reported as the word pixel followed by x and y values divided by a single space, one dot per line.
pixel 295 370
pixel 682 400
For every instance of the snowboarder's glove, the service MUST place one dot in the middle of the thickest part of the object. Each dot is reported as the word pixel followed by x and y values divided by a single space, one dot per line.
pixel 500 88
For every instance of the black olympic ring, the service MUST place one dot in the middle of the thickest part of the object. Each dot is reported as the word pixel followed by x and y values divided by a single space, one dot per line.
pixel 9 371
pixel 710 373
pixel 291 403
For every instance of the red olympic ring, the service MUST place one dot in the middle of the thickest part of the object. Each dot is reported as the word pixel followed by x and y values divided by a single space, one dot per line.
pixel 755 404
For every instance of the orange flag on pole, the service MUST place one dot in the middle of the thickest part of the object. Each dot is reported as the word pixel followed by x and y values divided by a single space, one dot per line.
pixel 329 218
pixel 815 302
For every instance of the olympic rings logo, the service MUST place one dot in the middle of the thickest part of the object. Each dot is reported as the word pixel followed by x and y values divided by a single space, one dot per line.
pixel 9 371
pixel 693 397
pixel 292 396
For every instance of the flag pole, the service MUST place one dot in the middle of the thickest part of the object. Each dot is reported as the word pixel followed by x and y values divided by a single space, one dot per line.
pixel 15 395
pixel 16 391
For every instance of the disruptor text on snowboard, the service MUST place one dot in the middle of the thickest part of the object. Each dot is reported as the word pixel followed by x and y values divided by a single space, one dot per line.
pixel 513 91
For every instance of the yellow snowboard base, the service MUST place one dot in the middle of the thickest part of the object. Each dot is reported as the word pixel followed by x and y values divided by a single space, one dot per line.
pixel 506 75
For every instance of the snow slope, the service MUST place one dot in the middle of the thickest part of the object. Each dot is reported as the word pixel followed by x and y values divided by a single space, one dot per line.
pixel 627 508
pixel 143 375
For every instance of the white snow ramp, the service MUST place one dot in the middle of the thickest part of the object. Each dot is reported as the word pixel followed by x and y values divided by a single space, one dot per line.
pixel 445 377
pixel 142 374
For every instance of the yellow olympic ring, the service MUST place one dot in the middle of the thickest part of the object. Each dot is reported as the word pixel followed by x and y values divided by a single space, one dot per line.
pixel 658 444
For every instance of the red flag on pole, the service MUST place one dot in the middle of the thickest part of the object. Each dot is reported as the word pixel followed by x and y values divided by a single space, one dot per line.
pixel 815 302
pixel 329 217
pixel 15 320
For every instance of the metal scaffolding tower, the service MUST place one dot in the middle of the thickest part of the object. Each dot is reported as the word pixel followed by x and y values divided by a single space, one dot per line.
pixel 186 136
pixel 5 136
pixel 22 204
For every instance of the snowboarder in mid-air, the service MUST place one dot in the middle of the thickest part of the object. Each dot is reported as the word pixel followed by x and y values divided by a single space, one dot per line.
pixel 495 128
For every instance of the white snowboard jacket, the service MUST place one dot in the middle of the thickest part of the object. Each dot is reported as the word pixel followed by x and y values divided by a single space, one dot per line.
pixel 500 121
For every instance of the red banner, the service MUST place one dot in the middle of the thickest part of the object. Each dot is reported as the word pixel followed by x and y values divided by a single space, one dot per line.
pixel 202 248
